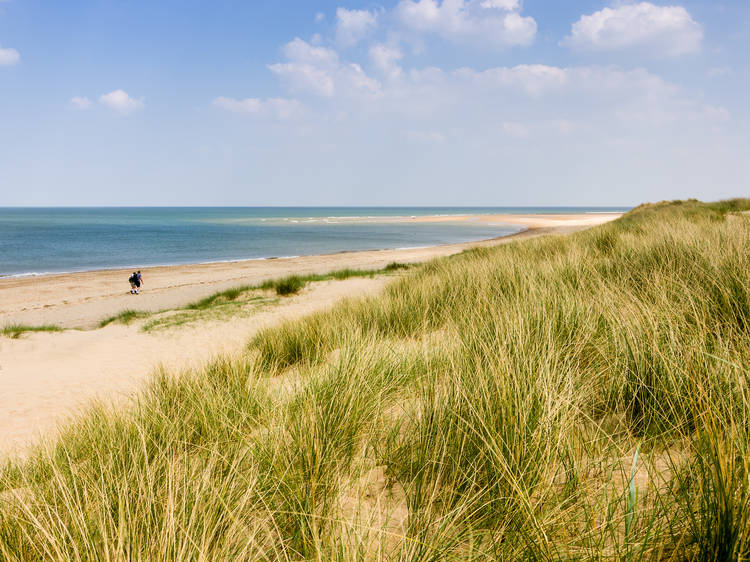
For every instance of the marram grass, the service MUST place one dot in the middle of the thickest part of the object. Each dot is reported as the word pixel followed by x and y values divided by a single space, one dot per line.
pixel 226 303
pixel 15 331
pixel 563 398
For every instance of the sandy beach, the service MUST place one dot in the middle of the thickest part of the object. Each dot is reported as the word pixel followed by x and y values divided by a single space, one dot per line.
pixel 46 377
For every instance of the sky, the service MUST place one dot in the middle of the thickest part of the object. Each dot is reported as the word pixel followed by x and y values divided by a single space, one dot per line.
pixel 398 102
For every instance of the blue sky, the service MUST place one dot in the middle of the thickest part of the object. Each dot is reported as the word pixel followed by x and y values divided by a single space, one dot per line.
pixel 401 102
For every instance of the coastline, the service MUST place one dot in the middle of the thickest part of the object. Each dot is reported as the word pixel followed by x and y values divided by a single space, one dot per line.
pixel 46 377
pixel 81 299
pixel 491 220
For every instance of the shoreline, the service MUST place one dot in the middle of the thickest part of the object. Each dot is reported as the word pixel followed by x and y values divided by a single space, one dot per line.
pixel 81 299
pixel 526 221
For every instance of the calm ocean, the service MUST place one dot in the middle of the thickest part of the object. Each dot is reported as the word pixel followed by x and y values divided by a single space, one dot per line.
pixel 35 241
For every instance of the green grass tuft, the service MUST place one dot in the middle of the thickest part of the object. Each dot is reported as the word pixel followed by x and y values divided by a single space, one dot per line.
pixel 124 317
pixel 15 331
pixel 396 266
pixel 289 285
pixel 222 297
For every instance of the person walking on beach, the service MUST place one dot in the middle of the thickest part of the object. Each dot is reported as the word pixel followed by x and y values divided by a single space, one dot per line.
pixel 139 280
pixel 133 280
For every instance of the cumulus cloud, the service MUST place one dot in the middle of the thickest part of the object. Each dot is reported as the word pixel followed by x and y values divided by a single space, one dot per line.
pixel 434 105
pixel 120 101
pixel 533 79
pixel 318 70
pixel 277 108
pixel 308 68
pixel 354 25
pixel 385 59
pixel 9 57
pixel 305 78
pixel 80 102
pixel 503 91
pixel 663 30
pixel 518 99
pixel 302 52
pixel 502 4
pixel 494 22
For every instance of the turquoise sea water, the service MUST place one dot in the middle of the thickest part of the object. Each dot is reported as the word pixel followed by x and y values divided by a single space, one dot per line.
pixel 35 241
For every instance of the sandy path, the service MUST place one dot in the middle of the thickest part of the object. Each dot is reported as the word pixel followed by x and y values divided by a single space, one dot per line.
pixel 45 377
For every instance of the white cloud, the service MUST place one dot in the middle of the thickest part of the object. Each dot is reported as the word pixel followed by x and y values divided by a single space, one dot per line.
pixel 120 101
pixel 318 70
pixel 309 68
pixel 502 4
pixel 385 59
pixel 473 110
pixel 80 102
pixel 517 99
pixel 354 25
pixel 9 57
pixel 545 91
pixel 320 17
pixel 533 79
pixel 302 77
pixel 277 108
pixel 494 22
pixel 663 30
pixel 302 52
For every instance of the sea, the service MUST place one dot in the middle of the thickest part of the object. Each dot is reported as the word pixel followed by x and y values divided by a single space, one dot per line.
pixel 41 241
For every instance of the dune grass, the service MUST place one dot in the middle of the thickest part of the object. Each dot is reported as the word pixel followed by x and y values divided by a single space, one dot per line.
pixel 289 285
pixel 125 317
pixel 292 284
pixel 243 304
pixel 230 301
pixel 15 331
pixel 582 397
pixel 220 297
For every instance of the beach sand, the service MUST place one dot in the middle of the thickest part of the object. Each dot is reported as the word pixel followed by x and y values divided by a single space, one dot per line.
pixel 46 377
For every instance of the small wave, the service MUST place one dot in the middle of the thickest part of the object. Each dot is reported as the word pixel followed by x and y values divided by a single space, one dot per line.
pixel 34 274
